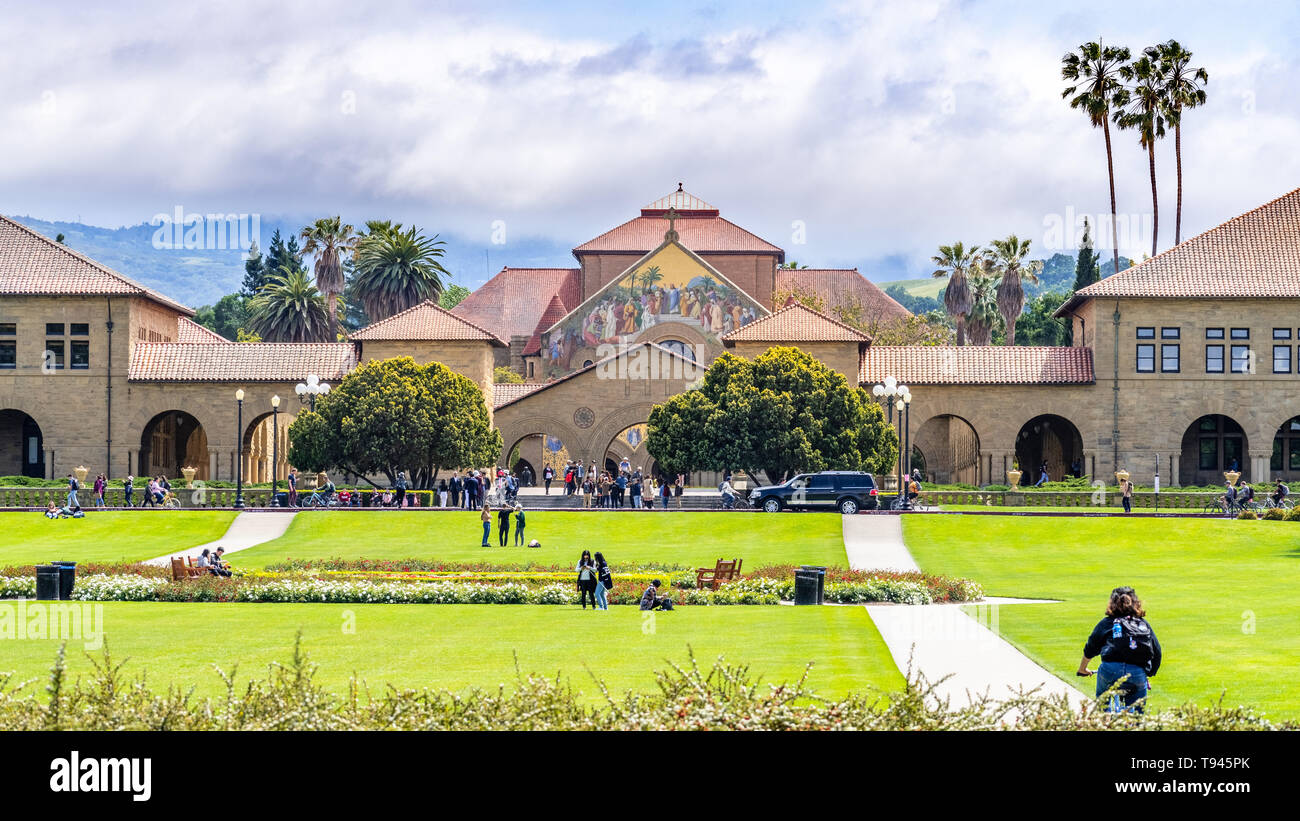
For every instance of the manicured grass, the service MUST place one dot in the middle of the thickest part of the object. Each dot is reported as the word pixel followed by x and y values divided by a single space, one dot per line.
pixel 458 646
pixel 110 536
pixel 1221 594
pixel 692 539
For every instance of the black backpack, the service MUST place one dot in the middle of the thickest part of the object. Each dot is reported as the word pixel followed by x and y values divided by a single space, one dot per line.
pixel 1131 642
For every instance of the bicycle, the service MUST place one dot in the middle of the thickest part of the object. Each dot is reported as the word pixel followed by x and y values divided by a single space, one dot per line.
pixel 737 502
pixel 319 499
pixel 170 502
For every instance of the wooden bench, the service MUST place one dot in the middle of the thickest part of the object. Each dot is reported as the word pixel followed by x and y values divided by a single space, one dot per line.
pixel 722 572
pixel 183 569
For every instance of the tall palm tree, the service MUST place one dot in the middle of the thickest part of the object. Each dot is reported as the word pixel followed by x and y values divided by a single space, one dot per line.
pixel 1182 91
pixel 1145 115
pixel 984 316
pixel 329 238
pixel 955 262
pixel 289 308
pixel 397 270
pixel 1094 70
pixel 1007 260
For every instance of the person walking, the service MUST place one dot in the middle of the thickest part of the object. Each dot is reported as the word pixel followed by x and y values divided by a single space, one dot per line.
pixel 604 582
pixel 548 475
pixel 1126 493
pixel 1130 653
pixel 128 488
pixel 678 485
pixel 442 493
pixel 519 525
pixel 293 488
pixel 486 518
pixel 1042 475
pixel 100 484
pixel 503 525
pixel 400 496
pixel 586 580
pixel 73 486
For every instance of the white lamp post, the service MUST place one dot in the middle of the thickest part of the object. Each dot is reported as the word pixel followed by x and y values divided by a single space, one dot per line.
pixel 309 390
pixel 898 397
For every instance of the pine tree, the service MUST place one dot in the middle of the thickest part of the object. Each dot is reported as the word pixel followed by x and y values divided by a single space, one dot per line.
pixel 254 271
pixel 1086 270
pixel 279 256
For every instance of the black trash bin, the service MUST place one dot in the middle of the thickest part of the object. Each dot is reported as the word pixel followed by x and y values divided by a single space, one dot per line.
pixel 281 500
pixel 47 582
pixel 805 587
pixel 67 578
pixel 821 580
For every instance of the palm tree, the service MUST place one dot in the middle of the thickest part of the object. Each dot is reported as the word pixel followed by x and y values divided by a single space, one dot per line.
pixel 329 238
pixel 1145 114
pixel 397 270
pixel 955 262
pixel 1182 90
pixel 1007 260
pixel 650 277
pixel 1094 70
pixel 289 308
pixel 984 315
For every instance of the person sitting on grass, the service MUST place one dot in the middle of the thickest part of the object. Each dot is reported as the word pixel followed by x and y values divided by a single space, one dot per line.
pixel 651 600
pixel 53 511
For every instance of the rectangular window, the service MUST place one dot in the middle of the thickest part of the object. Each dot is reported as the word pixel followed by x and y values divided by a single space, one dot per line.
pixel 80 329
pixel 1146 358
pixel 1281 333
pixel 1294 456
pixel 1170 333
pixel 1281 359
pixel 80 355
pixel 53 353
pixel 8 329
pixel 8 355
pixel 1214 359
pixel 1232 453
pixel 1146 333
pixel 1214 333
pixel 1169 358
pixel 1240 358
pixel 1275 461
pixel 1209 453
pixel 1241 333
pixel 54 329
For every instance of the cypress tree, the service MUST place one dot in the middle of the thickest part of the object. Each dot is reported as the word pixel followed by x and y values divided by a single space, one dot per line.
pixel 1086 270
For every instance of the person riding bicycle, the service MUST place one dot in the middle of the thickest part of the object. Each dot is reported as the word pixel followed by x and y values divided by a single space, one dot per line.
pixel 728 494
pixel 1280 492
pixel 1229 497
pixel 1245 494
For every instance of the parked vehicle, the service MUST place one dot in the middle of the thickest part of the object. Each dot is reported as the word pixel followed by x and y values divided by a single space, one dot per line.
pixel 842 490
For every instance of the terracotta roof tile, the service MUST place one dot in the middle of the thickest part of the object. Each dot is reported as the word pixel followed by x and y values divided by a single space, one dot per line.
pixel 426 322
pixel 976 365
pixel 555 311
pixel 511 302
pixel 33 264
pixel 1256 254
pixel 842 289
pixel 239 362
pixel 702 235
pixel 503 393
pixel 187 330
pixel 795 322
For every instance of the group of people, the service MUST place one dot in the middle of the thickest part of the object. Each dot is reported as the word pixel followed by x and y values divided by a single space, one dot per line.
pixel 624 487
pixel 212 561
pixel 1239 496
pixel 595 581
pixel 155 492
pixel 469 490
pixel 504 512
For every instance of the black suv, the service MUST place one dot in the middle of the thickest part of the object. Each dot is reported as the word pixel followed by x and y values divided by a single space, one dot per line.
pixel 843 490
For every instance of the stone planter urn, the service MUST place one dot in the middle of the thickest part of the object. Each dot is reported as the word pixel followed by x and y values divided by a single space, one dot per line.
pixel 188 473
pixel 1232 476
pixel 1121 476
pixel 1013 478
pixel 80 472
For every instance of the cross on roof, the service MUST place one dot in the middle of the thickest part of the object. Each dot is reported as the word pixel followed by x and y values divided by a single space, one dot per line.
pixel 672 217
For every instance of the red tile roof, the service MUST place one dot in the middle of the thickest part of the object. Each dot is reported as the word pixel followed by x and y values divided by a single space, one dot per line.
pixel 1254 255
pixel 425 322
pixel 976 365
pixel 795 322
pixel 842 289
pixel 239 361
pixel 32 264
pixel 702 235
pixel 187 330
pixel 503 393
pixel 555 311
pixel 685 203
pixel 511 302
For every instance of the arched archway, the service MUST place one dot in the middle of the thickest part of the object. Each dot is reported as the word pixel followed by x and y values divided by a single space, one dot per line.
pixel 1212 445
pixel 951 450
pixel 173 440
pixel 1052 440
pixel 21 445
pixel 531 453
pixel 260 449
pixel 1285 462
pixel 628 448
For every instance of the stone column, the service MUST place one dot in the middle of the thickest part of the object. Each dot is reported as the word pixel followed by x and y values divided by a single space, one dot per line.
pixel 1259 466
pixel 132 456
pixel 212 463
pixel 1175 468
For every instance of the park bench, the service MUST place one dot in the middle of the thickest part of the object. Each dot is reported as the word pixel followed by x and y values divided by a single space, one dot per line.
pixel 714 577
pixel 183 569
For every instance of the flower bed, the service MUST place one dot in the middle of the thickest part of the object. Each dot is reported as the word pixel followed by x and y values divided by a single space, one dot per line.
pixel 414 565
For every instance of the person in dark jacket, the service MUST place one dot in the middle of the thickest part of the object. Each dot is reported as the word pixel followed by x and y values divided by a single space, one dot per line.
pixel 1130 653
pixel 503 525
pixel 400 496
pixel 651 600
pixel 604 582
pixel 587 580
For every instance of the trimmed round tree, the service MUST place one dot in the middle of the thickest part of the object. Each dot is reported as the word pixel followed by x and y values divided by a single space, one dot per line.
pixel 782 413
pixel 393 415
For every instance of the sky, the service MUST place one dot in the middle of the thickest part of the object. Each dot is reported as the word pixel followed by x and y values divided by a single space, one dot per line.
pixel 849 133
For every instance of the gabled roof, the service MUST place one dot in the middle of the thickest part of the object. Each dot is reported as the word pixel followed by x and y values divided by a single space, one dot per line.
pixel 239 361
pixel 503 393
pixel 187 330
pixel 1254 255
pixel 976 365
pixel 555 311
pixel 668 352
pixel 842 289
pixel 684 203
pixel 795 322
pixel 426 322
pixel 705 235
pixel 32 264
pixel 512 302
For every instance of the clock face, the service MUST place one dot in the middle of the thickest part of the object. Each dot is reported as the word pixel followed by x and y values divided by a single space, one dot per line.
pixel 584 417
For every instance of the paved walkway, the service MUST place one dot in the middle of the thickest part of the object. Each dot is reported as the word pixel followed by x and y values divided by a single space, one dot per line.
pixel 250 528
pixel 876 543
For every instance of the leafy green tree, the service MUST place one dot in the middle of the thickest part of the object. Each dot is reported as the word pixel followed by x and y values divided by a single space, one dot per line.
pixel 1086 270
pixel 279 255
pixel 289 309
pixel 915 304
pixel 330 240
pixel 781 413
pixel 255 269
pixel 393 415
pixel 397 270
pixel 226 317
pixel 1038 326
pixel 452 295
pixel 504 376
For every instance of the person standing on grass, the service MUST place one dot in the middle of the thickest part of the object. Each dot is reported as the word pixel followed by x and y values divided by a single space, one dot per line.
pixel 485 516
pixel 586 580
pixel 1126 494
pixel 503 526
pixel 1130 653
pixel 100 484
pixel 519 525
pixel 604 582
pixel 128 488
pixel 73 486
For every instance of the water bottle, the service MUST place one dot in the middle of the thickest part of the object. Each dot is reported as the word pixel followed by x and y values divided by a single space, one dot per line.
pixel 1116 631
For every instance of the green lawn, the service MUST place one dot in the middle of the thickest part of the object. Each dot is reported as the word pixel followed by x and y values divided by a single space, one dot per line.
pixel 111 536
pixel 692 539
pixel 456 646
pixel 1221 594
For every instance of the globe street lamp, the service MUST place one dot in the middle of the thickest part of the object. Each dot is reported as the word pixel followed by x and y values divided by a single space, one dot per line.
pixel 309 390
pixel 239 460
pixel 275 447
pixel 897 397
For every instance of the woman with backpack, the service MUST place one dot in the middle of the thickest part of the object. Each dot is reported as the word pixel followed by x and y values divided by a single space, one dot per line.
pixel 1130 653
pixel 587 580
pixel 604 582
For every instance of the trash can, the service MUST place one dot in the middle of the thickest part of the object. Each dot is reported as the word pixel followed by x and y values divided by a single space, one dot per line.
pixel 821 580
pixel 67 578
pixel 805 587
pixel 281 500
pixel 47 582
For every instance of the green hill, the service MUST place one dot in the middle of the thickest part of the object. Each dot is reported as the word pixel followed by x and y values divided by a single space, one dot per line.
pixel 1057 275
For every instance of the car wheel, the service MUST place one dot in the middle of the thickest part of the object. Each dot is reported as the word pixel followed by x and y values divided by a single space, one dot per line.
pixel 771 505
pixel 848 506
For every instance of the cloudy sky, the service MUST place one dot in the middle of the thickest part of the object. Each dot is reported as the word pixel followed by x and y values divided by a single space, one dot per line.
pixel 883 128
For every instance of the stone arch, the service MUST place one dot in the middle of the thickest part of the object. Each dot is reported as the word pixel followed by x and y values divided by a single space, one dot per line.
pixel 1285 460
pixel 614 423
pixel 170 441
pixel 1050 439
pixel 952 445
pixel 516 425
pixel 263 460
pixel 1213 444
pixel 22 444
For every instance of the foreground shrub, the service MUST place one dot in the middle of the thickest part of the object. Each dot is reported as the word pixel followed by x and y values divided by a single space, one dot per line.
pixel 1247 515
pixel 1274 514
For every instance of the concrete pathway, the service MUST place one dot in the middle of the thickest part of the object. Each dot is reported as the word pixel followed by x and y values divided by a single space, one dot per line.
pixel 876 543
pixel 249 529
